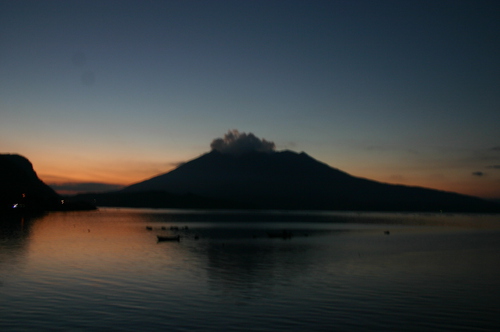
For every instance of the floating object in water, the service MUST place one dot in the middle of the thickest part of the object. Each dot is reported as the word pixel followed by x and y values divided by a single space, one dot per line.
pixel 162 238
pixel 149 228
pixel 387 232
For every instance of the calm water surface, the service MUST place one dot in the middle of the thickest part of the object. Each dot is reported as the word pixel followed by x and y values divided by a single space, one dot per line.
pixel 103 270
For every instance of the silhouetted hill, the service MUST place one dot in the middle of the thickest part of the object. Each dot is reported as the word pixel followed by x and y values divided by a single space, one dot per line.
pixel 288 180
pixel 22 190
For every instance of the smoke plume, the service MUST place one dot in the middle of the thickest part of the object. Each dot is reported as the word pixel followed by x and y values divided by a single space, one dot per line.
pixel 237 143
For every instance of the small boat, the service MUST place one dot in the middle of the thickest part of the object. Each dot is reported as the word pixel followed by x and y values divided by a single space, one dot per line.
pixel 162 238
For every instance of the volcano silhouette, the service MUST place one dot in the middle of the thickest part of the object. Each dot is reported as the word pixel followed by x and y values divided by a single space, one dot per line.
pixel 290 180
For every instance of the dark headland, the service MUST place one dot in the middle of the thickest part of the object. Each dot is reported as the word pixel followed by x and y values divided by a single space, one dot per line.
pixel 283 180
pixel 21 191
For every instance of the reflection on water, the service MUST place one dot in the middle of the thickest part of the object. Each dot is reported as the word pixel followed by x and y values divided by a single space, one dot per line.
pixel 105 270
pixel 14 236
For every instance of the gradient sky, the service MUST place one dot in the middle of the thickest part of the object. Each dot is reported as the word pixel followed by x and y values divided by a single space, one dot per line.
pixel 115 92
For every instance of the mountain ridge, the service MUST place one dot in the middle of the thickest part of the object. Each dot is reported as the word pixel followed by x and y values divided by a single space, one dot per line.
pixel 290 180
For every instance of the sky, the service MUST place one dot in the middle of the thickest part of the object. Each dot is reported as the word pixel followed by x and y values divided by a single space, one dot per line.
pixel 103 94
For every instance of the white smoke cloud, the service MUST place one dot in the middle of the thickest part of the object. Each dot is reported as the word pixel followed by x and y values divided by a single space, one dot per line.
pixel 238 143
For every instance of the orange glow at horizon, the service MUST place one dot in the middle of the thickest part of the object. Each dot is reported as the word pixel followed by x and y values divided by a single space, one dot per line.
pixel 465 187
pixel 116 168
pixel 102 166
pixel 119 173
pixel 125 177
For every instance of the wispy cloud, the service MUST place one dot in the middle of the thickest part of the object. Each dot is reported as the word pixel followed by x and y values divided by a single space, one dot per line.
pixel 475 157
pixel 493 166
pixel 69 188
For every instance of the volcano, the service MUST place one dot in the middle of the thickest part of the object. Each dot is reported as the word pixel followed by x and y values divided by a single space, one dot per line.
pixel 290 180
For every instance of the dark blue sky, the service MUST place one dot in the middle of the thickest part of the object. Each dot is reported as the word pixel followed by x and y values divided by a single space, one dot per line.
pixel 118 91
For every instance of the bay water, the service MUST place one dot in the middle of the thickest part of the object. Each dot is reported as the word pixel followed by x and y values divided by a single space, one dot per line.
pixel 105 270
